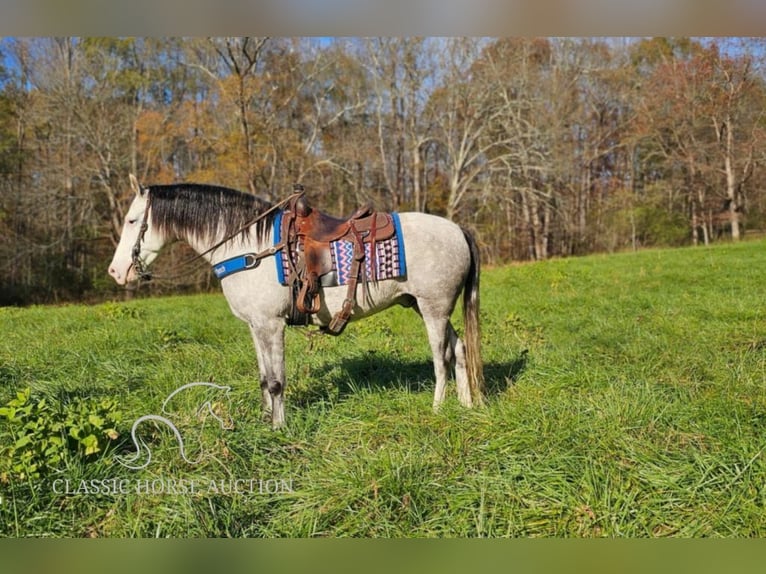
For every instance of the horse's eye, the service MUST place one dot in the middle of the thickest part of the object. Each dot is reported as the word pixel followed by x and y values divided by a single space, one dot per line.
pixel 132 221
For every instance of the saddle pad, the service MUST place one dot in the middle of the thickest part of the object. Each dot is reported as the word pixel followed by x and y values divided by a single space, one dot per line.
pixel 390 261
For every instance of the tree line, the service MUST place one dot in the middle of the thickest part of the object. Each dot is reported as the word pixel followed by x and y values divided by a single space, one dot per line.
pixel 543 147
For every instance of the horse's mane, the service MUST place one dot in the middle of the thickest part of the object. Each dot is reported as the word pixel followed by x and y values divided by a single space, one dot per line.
pixel 205 211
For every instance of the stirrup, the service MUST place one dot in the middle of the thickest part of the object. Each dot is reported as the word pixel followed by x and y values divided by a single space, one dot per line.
pixel 308 291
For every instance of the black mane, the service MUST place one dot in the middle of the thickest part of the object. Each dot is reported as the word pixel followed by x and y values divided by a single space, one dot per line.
pixel 207 212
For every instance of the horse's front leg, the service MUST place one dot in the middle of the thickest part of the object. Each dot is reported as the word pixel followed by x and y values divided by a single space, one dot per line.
pixel 269 339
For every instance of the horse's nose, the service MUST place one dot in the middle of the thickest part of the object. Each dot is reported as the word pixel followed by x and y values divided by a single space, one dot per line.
pixel 114 273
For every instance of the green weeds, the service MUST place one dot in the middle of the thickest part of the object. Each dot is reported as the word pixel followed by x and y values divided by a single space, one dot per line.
pixel 41 437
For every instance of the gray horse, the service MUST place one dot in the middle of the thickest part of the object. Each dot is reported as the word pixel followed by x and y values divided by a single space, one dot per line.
pixel 220 224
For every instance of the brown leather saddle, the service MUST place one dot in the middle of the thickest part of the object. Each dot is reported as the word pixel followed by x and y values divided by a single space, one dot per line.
pixel 308 234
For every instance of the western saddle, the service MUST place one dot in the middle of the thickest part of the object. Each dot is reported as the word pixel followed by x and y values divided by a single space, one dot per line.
pixel 308 234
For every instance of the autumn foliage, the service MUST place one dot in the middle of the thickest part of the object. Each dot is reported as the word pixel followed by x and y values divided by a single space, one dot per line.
pixel 542 147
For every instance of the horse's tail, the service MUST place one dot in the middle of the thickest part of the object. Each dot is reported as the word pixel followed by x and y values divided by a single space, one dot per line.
pixel 472 335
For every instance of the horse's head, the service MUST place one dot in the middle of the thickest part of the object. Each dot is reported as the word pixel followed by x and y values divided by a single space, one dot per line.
pixel 139 242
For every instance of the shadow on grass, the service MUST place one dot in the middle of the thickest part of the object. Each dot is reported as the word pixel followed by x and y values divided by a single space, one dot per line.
pixel 375 371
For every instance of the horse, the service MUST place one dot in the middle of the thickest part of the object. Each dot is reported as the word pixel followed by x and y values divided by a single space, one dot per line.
pixel 220 223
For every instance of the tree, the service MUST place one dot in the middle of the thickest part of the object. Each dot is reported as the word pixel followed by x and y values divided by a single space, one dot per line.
pixel 234 65
pixel 403 74
pixel 701 116
pixel 737 114
pixel 464 111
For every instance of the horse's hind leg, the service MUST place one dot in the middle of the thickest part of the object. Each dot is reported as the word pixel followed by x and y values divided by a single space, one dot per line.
pixel 456 356
pixel 437 328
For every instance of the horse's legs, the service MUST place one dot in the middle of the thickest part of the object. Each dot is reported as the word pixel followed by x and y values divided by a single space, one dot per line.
pixel 269 339
pixel 456 356
pixel 448 352
pixel 437 324
pixel 262 376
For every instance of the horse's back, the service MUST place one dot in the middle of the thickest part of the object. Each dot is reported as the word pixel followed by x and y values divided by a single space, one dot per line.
pixel 436 252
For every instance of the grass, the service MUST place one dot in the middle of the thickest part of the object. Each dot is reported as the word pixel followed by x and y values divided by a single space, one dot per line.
pixel 626 399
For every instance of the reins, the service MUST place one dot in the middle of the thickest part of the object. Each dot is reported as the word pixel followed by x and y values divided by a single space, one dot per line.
pixel 144 274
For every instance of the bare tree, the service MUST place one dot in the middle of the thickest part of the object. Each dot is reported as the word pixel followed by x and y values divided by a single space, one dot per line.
pixel 465 111
pixel 737 120
pixel 403 76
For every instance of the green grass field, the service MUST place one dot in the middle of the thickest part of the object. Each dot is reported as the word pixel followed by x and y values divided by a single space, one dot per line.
pixel 626 398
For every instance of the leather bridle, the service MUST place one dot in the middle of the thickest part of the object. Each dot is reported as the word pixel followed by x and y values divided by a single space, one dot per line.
pixel 139 265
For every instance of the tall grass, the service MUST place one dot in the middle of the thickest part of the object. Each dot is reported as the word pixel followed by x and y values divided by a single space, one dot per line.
pixel 626 398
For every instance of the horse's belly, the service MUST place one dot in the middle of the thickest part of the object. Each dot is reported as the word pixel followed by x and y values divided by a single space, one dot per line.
pixel 370 299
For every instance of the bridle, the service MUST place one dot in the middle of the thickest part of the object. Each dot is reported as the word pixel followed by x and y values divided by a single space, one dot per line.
pixel 139 265
pixel 142 271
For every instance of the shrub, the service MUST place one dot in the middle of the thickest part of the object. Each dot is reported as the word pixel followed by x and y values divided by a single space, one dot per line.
pixel 39 437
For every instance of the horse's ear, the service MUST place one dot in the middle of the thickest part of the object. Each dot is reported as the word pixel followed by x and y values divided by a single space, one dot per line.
pixel 135 186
